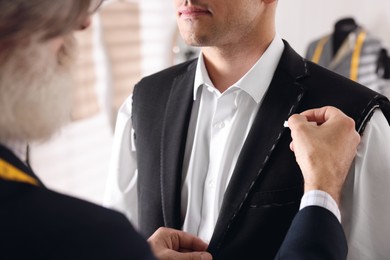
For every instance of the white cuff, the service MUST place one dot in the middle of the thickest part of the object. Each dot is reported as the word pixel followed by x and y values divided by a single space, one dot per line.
pixel 322 199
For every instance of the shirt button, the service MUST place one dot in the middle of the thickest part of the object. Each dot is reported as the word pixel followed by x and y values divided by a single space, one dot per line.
pixel 220 125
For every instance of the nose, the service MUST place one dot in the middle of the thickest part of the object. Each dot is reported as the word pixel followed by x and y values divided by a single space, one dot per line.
pixel 85 23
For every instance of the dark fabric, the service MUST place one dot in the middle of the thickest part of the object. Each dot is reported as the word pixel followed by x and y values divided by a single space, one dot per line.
pixel 161 146
pixel 36 223
pixel 265 189
pixel 9 157
pixel 314 234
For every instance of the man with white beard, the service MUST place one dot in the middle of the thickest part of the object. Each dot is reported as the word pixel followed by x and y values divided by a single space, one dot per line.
pixel 36 44
pixel 30 107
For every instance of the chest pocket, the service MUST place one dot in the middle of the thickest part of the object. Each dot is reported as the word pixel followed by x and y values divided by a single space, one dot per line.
pixel 276 198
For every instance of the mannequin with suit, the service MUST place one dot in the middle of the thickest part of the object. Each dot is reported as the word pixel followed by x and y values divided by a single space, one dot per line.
pixel 350 50
pixel 342 29
pixel 201 145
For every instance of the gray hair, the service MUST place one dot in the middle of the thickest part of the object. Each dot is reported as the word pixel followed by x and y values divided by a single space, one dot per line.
pixel 20 20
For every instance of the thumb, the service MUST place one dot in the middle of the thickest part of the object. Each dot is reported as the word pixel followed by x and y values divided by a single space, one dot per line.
pixel 191 256
pixel 292 146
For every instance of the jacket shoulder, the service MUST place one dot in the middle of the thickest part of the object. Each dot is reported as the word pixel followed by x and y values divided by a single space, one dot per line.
pixel 60 222
pixel 327 88
pixel 169 74
pixel 156 88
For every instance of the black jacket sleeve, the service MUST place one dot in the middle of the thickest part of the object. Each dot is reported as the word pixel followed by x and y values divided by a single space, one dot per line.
pixel 314 234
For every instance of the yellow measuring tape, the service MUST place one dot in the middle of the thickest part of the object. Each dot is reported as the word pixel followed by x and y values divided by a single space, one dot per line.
pixel 11 173
pixel 319 49
pixel 355 56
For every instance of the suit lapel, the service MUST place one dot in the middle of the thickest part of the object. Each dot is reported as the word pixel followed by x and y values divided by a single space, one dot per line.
pixel 173 140
pixel 280 101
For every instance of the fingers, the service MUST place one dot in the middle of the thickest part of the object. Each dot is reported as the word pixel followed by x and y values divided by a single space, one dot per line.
pixel 188 256
pixel 168 243
pixel 321 115
pixel 189 242
pixel 326 114
pixel 292 146
pixel 324 142
pixel 297 120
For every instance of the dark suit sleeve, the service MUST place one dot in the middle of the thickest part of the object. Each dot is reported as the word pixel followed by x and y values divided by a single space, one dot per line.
pixel 109 235
pixel 315 233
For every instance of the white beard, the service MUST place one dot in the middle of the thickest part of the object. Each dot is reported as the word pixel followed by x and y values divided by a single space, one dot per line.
pixel 35 94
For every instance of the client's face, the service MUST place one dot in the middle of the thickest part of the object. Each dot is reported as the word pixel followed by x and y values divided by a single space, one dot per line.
pixel 35 90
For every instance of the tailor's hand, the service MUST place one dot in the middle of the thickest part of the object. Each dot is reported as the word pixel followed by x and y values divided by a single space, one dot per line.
pixel 324 144
pixel 167 243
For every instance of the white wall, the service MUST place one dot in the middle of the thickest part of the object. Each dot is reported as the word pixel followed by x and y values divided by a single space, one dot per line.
pixel 158 27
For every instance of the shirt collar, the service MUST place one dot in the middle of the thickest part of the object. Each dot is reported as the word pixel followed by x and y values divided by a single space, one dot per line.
pixel 201 75
pixel 256 81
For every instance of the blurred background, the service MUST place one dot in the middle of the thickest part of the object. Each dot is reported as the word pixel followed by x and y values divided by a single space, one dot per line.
pixel 131 39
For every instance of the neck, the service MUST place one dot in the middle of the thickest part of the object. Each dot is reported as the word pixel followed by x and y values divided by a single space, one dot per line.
pixel 341 31
pixel 19 148
pixel 229 63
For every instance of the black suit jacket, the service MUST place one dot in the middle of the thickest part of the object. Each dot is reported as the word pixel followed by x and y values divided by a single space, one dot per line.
pixel 266 186
pixel 37 223
pixel 315 234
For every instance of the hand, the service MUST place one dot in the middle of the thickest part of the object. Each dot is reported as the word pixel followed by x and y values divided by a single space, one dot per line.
pixel 167 243
pixel 324 144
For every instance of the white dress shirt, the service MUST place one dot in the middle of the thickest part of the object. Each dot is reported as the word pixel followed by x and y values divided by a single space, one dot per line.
pixel 218 118
pixel 219 125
